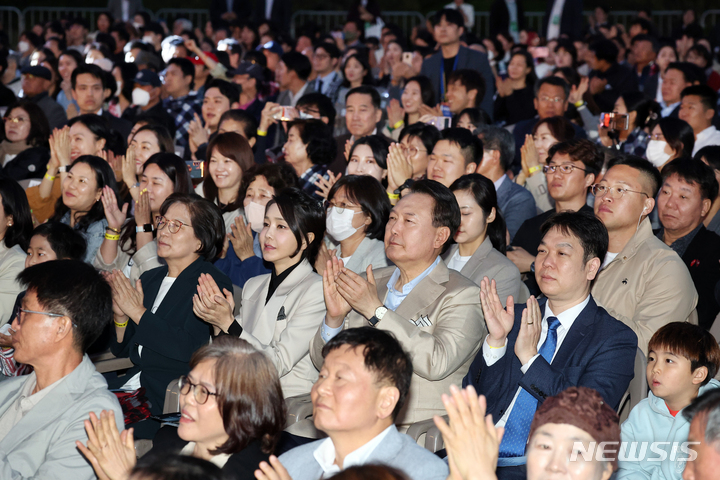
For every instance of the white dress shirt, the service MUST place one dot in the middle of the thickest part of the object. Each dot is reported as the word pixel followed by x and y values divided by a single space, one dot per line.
pixel 566 319
pixel 325 454
pixel 553 29
pixel 709 136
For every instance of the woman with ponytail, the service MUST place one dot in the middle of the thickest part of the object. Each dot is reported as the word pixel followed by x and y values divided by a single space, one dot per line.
pixel 480 241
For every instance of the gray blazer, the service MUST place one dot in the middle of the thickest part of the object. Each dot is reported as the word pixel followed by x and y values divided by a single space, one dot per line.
pixel 369 252
pixel 488 262
pixel 42 444
pixel 396 450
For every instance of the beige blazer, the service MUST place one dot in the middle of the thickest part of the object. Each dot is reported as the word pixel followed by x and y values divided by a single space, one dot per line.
pixel 12 262
pixel 442 351
pixel 369 252
pixel 488 262
pixel 646 286
pixel 143 260
pixel 537 185
pixel 283 328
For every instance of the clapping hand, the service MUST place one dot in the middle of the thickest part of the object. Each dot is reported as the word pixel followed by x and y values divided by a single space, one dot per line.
pixel 359 293
pixel 111 453
pixel 128 299
pixel 324 255
pixel 143 214
pixel 529 334
pixel 336 305
pixel 212 305
pixel 114 215
pixel 325 184
pixel 272 471
pixel 395 112
pixel 399 167
pixel 241 238
pixel 197 133
pixel 499 320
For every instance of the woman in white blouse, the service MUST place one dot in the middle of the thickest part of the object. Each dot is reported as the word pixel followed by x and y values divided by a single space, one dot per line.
pixel 480 248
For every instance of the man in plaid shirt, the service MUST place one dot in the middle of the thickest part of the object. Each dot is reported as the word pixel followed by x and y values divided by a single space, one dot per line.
pixel 181 104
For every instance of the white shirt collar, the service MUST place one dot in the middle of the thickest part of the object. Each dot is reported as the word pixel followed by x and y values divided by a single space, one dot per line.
pixel 568 317
pixel 499 182
pixel 325 453
pixel 219 460
pixel 706 133
pixel 294 98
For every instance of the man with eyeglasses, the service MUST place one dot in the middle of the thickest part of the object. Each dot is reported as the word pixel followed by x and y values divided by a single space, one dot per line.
pixel 551 100
pixel 571 169
pixel 325 63
pixel 42 414
pixel 642 281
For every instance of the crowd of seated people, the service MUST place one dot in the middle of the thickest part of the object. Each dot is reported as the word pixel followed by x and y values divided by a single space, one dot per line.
pixel 388 230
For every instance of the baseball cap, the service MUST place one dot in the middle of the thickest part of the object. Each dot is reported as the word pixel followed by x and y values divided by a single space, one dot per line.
pixel 273 46
pixel 37 71
pixel 147 77
pixel 249 68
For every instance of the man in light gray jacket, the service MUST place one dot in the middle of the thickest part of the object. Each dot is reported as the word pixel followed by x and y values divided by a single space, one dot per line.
pixel 42 414
pixel 363 383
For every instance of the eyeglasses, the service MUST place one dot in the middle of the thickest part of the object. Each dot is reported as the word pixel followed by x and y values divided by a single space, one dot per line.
pixel 412 151
pixel 173 225
pixel 615 192
pixel 21 312
pixel 340 209
pixel 566 169
pixel 547 99
pixel 20 120
pixel 657 136
pixel 322 56
pixel 200 393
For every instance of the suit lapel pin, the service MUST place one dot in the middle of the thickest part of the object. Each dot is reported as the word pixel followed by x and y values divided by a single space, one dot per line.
pixel 423 321
pixel 281 314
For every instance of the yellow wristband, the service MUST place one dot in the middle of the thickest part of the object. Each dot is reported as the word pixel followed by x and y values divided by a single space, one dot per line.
pixel 393 196
pixel 121 325
pixel 491 347
pixel 579 104
pixel 112 237
pixel 398 124
pixel 49 177
pixel 261 133
pixel 534 169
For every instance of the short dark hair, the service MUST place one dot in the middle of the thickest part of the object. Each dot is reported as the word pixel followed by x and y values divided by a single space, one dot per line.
pixel 693 172
pixel 318 139
pixel 367 192
pixel 90 69
pixel 248 121
pixel 483 190
pixel 207 222
pixel 702 50
pixel 379 144
pixel 330 48
pixel 235 147
pixel 277 175
pixel 711 154
pixel 678 134
pixel 647 170
pixel 644 23
pixel 249 395
pixel 580 150
pixel 323 103
pixel 470 146
pixel 446 212
pixel 366 90
pixel 567 45
pixel 477 116
pixel 450 15
pixel 686 68
pixel 39 126
pixel 647 109
pixel 690 341
pixel 584 226
pixel 304 215
pixel 471 80
pixel 554 81
pixel 299 63
pixel 188 69
pixel 65 241
pixel 86 300
pixel 560 127
pixel 428 134
pixel 642 37
pixel 708 96
pixel 384 356
pixel 496 138
pixel 226 89
pixel 15 204
pixel 175 467
pixel 97 125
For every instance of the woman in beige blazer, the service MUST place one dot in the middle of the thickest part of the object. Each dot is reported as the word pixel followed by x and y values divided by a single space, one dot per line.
pixel 134 252
pixel 480 248
pixel 281 311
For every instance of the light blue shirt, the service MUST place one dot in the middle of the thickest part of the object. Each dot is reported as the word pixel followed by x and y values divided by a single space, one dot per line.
pixel 393 299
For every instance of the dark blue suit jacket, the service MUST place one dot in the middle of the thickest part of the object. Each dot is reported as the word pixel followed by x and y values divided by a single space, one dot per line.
pixel 472 59
pixel 598 352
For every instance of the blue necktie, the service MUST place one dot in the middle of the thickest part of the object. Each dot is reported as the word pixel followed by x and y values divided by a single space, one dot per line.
pixel 518 423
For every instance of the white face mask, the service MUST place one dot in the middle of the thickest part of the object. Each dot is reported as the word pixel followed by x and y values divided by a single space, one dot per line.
pixel 655 152
pixel 140 97
pixel 119 88
pixel 339 225
pixel 23 46
pixel 255 214
pixel 491 55
pixel 137 25
pixel 148 39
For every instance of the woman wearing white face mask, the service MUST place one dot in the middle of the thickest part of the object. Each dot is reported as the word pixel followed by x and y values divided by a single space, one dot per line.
pixel 243 259
pixel 670 138
pixel 281 311
pixel 357 211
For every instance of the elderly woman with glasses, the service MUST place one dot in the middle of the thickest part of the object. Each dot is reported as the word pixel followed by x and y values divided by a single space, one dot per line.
pixel 154 322
pixel 232 413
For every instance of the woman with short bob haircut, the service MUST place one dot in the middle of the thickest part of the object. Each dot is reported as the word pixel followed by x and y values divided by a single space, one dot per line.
pixel 309 149
pixel 233 414
pixel 157 329
pixel 24 149
pixel 670 138
pixel 479 250
pixel 280 311
pixel 357 212
pixel 228 157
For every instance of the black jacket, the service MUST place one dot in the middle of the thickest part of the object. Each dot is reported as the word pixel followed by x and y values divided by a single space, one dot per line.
pixel 701 258
pixel 571 20
pixel 121 126
pixel 500 17
pixel 240 465
pixel 620 79
pixel 30 163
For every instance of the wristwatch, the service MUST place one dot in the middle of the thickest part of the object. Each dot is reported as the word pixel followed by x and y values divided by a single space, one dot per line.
pixel 63 169
pixel 379 314
pixel 148 227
